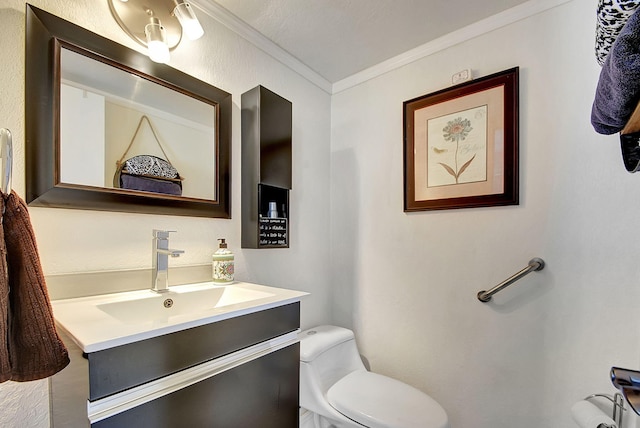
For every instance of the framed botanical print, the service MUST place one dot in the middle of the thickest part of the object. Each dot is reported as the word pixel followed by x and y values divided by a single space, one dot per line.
pixel 461 145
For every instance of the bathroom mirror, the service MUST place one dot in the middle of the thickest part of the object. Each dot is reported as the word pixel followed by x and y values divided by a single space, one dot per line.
pixel 86 98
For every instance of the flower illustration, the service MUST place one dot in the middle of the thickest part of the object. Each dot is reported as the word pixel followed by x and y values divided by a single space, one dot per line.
pixel 457 130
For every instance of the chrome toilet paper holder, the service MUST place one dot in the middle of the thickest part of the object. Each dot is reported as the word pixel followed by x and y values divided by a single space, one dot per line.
pixel 618 405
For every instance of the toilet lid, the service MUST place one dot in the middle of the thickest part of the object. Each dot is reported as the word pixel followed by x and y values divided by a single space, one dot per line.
pixel 378 401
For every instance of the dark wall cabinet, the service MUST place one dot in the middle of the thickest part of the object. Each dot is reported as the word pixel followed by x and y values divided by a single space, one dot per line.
pixel 266 169
pixel 240 372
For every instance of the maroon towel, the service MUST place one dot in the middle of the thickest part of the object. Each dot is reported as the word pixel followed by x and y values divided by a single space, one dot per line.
pixel 5 365
pixel 35 349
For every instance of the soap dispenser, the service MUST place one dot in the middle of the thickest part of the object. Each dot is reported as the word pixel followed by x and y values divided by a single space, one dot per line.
pixel 223 267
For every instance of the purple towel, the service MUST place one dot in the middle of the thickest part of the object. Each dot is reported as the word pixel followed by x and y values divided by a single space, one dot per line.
pixel 618 90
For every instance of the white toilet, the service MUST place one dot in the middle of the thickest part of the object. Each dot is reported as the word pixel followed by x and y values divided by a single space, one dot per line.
pixel 339 392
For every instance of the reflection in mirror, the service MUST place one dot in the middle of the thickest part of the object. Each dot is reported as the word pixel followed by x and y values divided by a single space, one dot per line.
pixel 100 109
pixel 86 98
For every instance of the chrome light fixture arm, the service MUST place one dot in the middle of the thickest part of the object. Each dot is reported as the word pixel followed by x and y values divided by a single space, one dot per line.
pixel 142 20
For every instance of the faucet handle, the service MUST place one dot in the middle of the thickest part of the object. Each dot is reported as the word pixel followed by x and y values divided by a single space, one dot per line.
pixel 162 234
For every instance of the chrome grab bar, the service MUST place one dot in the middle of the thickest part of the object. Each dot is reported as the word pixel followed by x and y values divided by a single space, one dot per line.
pixel 535 264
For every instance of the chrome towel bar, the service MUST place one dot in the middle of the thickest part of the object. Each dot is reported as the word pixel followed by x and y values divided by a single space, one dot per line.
pixel 6 153
pixel 535 264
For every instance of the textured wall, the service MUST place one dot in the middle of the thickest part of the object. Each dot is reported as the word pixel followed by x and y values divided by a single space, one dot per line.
pixel 408 282
pixel 24 405
pixel 72 241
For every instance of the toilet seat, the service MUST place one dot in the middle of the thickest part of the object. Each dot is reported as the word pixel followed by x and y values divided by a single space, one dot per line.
pixel 377 401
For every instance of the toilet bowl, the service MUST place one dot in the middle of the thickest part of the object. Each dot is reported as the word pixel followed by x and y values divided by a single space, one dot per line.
pixel 337 389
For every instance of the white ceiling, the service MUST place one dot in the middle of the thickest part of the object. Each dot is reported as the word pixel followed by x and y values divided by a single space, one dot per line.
pixel 339 38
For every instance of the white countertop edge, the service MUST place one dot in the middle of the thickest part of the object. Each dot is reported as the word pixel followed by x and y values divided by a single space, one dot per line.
pixel 281 297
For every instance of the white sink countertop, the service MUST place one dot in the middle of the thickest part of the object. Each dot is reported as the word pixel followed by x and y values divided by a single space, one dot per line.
pixel 104 321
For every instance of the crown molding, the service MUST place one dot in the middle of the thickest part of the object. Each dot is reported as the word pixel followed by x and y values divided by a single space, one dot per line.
pixel 502 19
pixel 235 24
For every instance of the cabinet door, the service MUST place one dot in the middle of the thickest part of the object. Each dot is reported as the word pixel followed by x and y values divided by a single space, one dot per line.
pixel 124 367
pixel 260 393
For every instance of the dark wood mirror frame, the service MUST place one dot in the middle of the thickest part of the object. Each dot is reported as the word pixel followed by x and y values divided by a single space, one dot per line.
pixel 45 35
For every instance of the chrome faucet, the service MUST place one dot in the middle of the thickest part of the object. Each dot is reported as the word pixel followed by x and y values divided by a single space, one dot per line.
pixel 160 264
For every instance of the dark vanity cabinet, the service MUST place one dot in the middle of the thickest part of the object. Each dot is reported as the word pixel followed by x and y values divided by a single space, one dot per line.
pixel 266 169
pixel 238 372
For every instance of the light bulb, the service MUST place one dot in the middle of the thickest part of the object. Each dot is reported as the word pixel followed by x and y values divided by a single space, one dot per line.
pixel 187 17
pixel 157 41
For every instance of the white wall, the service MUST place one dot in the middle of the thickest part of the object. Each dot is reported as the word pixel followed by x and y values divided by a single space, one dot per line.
pixel 407 283
pixel 73 241
pixel 82 141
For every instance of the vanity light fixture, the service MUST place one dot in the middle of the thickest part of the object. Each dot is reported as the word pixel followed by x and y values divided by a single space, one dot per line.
pixel 188 20
pixel 156 37
pixel 157 25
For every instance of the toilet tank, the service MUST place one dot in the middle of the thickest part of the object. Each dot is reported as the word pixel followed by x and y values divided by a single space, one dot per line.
pixel 328 353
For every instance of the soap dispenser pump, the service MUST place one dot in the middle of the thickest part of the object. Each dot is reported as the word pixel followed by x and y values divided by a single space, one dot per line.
pixel 223 267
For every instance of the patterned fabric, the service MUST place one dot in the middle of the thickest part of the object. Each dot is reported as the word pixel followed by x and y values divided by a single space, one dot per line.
pixel 611 17
pixel 150 166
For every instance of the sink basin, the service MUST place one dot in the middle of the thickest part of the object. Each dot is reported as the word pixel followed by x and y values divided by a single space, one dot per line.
pixel 160 307
pixel 98 322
